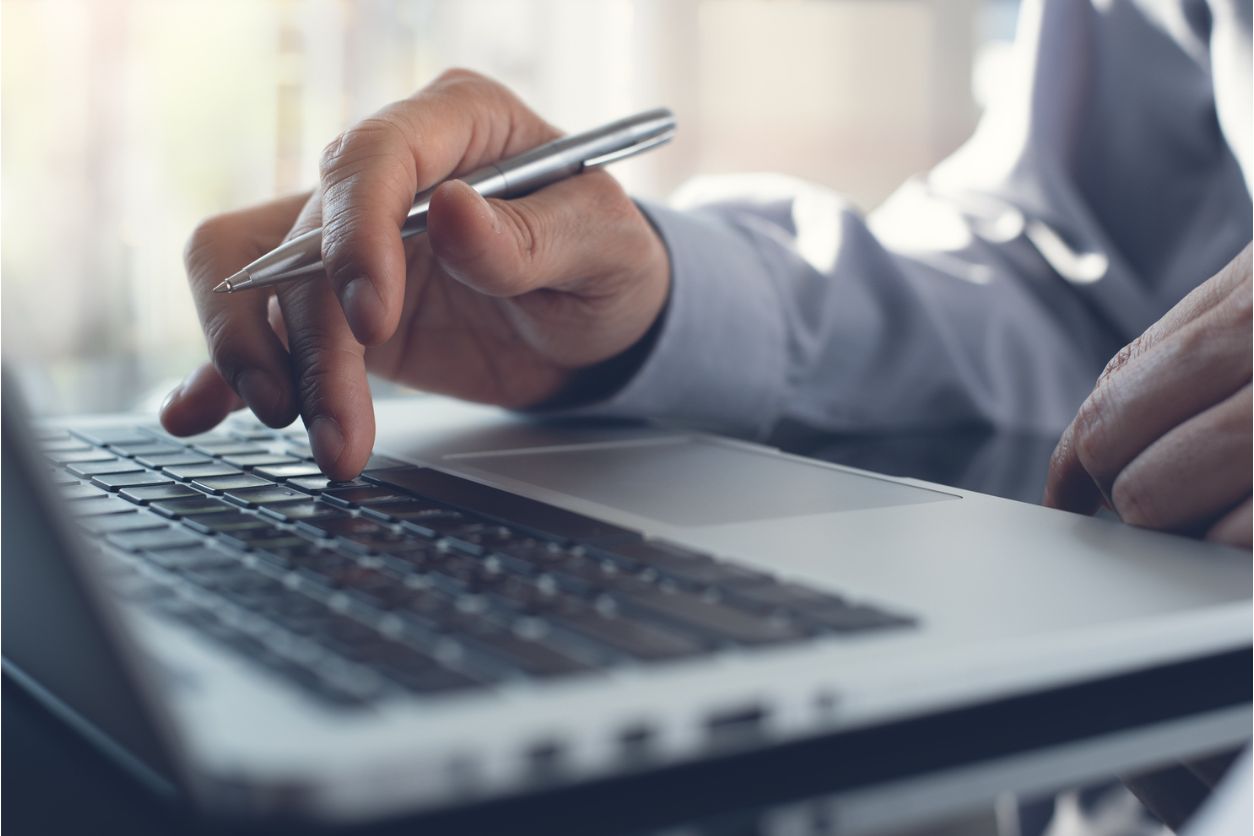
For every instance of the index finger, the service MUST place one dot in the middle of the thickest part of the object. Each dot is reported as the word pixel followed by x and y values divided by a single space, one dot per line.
pixel 1068 485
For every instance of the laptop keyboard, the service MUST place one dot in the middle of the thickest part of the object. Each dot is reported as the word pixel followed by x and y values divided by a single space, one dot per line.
pixel 406 580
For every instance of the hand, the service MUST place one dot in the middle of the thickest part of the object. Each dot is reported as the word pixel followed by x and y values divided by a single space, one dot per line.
pixel 501 301
pixel 1165 437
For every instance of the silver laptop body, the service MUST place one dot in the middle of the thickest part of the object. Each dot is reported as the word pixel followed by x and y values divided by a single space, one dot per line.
pixel 1005 600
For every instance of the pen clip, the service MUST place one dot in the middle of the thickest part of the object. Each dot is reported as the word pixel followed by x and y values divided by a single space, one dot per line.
pixel 629 151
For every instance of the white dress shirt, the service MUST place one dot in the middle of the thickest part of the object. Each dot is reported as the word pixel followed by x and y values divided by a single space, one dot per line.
pixel 1111 180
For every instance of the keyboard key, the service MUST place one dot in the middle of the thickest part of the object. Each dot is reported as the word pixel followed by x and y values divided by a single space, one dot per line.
pixel 223 577
pixel 288 471
pixel 198 557
pixel 56 476
pixel 266 495
pixel 651 553
pixel 198 504
pixel 299 451
pixel 377 462
pixel 348 497
pixel 251 460
pixel 88 469
pixel 507 508
pixel 227 447
pixel 369 544
pixel 156 539
pixel 317 484
pixel 713 573
pixel 129 480
pixel 432 523
pixel 785 596
pixel 71 456
pixel 521 594
pixel 188 472
pixel 206 438
pixel 343 526
pixel 64 444
pixel 481 538
pixel 530 657
pixel 283 546
pixel 97 505
pixel 411 509
pixel 633 638
pixel 717 621
pixel 232 521
pixel 151 448
pixel 222 484
pixel 172 459
pixel 111 523
pixel 310 509
pixel 348 684
pixel 255 433
pixel 115 435
pixel 81 491
pixel 416 671
pixel 854 618
pixel 154 493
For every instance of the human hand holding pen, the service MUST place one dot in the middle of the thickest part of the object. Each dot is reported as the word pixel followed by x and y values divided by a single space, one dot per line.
pixel 501 301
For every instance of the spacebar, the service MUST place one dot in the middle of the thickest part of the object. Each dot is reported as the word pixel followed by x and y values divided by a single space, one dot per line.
pixel 510 509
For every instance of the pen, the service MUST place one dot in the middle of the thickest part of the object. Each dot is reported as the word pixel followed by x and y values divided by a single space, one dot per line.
pixel 301 257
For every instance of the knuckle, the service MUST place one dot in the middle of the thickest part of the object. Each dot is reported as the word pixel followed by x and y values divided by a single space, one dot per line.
pixel 320 365
pixel 528 228
pixel 1241 306
pixel 1192 340
pixel 346 155
pixel 610 201
pixel 315 350
pixel 1133 503
pixel 344 236
pixel 217 328
pixel 1088 438
pixel 204 237
pixel 461 75
pixel 1063 453
pixel 1122 357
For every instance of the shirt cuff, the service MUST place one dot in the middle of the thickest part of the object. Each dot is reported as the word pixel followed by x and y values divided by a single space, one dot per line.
pixel 719 360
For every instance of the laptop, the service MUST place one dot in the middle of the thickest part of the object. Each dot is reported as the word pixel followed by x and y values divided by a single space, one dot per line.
pixel 507 611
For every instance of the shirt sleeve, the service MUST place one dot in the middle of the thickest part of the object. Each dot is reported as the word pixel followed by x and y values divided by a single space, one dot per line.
pixel 991 290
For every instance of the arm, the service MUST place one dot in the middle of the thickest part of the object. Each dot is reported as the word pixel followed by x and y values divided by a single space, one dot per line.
pixel 991 290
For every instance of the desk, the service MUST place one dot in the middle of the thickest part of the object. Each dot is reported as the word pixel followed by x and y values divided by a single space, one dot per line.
pixel 54 782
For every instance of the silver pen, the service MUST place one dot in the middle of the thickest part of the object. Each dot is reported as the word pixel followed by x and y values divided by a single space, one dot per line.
pixel 301 257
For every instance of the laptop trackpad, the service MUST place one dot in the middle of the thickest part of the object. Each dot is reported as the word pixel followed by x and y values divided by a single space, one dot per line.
pixel 686 481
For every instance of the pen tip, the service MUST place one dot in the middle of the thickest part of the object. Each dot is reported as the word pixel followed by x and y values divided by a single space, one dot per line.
pixel 233 282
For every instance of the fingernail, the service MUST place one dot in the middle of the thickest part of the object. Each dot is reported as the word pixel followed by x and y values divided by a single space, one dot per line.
pixel 171 398
pixel 362 305
pixel 326 440
pixel 257 389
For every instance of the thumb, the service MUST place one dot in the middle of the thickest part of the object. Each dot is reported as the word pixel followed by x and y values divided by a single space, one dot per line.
pixel 561 237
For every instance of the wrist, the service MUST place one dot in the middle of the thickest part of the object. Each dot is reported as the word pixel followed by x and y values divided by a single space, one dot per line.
pixel 602 380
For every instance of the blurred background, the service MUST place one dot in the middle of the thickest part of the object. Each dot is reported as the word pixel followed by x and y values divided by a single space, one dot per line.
pixel 124 122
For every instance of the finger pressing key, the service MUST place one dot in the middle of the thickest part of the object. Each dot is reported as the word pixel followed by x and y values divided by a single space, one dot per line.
pixel 330 371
